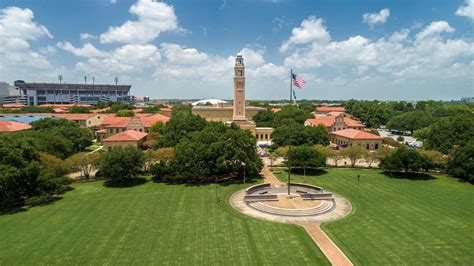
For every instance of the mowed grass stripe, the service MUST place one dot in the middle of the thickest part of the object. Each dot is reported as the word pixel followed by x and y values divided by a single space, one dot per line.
pixel 150 224
pixel 400 221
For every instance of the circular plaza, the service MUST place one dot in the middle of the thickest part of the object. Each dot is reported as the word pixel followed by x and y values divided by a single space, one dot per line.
pixel 301 203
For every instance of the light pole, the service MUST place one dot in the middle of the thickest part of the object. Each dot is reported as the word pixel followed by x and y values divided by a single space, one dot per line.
pixel 244 172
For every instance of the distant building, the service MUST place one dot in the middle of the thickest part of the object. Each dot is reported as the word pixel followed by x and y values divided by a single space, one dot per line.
pixel 335 123
pixel 10 95
pixel 12 126
pixel 327 109
pixel 129 138
pixel 57 93
pixel 353 137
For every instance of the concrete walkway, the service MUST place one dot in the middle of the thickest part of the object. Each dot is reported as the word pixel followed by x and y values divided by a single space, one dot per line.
pixel 327 246
pixel 271 178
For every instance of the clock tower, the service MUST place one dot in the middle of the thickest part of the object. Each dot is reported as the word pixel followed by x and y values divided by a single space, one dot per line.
pixel 239 89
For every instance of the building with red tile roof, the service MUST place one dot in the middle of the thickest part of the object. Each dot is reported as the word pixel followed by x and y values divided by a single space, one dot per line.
pixel 327 109
pixel 140 122
pixel 124 139
pixel 353 137
pixel 334 123
pixel 12 126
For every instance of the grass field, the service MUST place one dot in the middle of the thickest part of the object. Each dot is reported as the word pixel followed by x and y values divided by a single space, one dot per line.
pixel 149 223
pixel 399 221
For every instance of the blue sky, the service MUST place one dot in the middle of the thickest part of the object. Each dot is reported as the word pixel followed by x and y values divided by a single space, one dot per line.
pixel 183 49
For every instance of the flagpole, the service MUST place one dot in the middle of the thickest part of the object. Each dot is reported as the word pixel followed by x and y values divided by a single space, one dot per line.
pixel 289 146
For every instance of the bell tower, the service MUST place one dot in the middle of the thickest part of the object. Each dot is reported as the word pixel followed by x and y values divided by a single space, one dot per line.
pixel 239 89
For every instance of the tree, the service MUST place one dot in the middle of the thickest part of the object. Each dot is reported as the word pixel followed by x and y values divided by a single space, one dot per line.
pixel 354 153
pixel 125 113
pixel 165 154
pixel 181 125
pixel 410 121
pixel 264 118
pixel 406 159
pixel 79 110
pixel 447 132
pixel 461 163
pixel 215 151
pixel 371 158
pixel 297 134
pixel 157 127
pixel 85 163
pixel 150 159
pixel 24 179
pixel 383 152
pixel 119 165
pixel 305 157
pixel 116 106
pixel 439 159
pixel 53 163
pixel 289 115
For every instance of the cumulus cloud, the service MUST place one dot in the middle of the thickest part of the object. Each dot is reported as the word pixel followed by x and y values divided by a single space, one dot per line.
pixel 17 29
pixel 393 58
pixel 253 58
pixel 376 18
pixel 153 19
pixel 87 50
pixel 87 36
pixel 434 29
pixel 180 55
pixel 311 30
pixel 466 10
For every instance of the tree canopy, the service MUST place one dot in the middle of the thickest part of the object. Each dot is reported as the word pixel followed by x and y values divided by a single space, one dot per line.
pixel 407 160
pixel 120 165
pixel 305 157
pixel 298 134
pixel 461 163
pixel 410 121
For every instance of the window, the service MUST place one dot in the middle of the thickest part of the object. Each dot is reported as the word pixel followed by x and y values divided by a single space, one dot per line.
pixel 367 146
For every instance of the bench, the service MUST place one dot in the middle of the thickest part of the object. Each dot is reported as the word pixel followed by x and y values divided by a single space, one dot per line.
pixel 263 192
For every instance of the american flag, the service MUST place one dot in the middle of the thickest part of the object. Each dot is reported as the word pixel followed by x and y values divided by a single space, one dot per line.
pixel 297 81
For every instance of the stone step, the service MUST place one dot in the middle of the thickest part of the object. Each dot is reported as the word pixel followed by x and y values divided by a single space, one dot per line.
pixel 324 207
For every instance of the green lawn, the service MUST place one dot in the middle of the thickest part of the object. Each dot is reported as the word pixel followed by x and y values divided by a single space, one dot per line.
pixel 149 223
pixel 400 221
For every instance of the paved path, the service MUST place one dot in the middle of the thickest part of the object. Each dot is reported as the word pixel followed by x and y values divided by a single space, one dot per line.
pixel 271 178
pixel 327 246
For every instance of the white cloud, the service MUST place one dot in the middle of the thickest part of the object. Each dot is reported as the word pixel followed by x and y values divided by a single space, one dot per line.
pixel 466 10
pixel 18 23
pixel 153 18
pixel 17 59
pixel 269 70
pixel 434 29
pixel 311 30
pixel 376 18
pixel 253 58
pixel 180 55
pixel 113 1
pixel 87 50
pixel 392 59
pixel 87 36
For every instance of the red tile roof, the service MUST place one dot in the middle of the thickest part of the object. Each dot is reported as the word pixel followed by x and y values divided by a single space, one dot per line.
pixel 355 134
pixel 334 113
pixel 113 121
pixel 330 109
pixel 129 135
pixel 75 116
pixel 13 105
pixel 12 126
pixel 352 123
pixel 328 121
pixel 149 120
pixel 95 111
